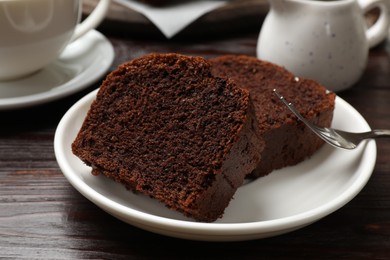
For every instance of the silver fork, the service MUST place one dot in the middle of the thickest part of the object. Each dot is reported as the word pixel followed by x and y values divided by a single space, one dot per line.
pixel 337 138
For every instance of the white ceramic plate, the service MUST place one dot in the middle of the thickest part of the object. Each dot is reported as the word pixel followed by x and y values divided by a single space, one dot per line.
pixel 81 64
pixel 286 200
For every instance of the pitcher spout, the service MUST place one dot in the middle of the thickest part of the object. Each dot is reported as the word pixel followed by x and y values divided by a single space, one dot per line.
pixel 276 5
pixel 284 5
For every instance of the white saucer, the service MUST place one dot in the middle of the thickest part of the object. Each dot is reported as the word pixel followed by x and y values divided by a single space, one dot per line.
pixel 281 202
pixel 81 64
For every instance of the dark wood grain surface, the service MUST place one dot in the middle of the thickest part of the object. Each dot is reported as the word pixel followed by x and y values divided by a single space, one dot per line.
pixel 43 217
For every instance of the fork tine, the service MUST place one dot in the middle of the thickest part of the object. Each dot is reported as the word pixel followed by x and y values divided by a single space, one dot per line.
pixel 334 137
pixel 291 107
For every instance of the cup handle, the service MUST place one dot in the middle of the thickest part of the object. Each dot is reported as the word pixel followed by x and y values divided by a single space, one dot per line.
pixel 378 31
pixel 93 20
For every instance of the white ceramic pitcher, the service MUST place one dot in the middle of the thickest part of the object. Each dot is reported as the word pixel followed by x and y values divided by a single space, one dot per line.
pixel 327 41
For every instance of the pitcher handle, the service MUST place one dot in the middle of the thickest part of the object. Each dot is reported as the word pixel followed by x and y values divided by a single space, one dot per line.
pixel 93 20
pixel 380 29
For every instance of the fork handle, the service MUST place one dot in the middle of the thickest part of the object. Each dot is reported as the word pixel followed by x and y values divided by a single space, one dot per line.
pixel 378 133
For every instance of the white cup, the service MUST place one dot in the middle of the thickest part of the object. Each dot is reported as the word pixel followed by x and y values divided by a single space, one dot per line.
pixel 33 33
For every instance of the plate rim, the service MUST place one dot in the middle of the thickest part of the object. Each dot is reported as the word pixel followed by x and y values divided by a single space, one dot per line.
pixel 212 231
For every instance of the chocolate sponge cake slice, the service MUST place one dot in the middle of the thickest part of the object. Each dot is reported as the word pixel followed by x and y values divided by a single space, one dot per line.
pixel 287 140
pixel 163 126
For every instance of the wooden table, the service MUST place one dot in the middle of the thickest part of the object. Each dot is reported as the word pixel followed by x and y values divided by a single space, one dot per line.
pixel 43 217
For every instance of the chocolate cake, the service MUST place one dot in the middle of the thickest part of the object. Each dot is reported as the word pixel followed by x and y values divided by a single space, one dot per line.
pixel 287 140
pixel 164 126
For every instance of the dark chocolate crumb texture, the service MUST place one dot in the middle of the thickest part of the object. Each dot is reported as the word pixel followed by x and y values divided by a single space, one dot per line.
pixel 287 140
pixel 164 126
